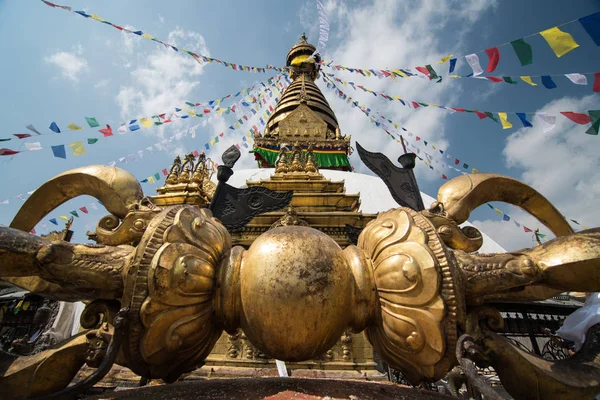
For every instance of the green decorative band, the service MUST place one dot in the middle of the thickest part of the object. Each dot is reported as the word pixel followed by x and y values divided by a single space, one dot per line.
pixel 327 158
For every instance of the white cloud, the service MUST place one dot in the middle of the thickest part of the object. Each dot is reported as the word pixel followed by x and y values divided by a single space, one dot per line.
pixel 162 79
pixel 71 63
pixel 561 164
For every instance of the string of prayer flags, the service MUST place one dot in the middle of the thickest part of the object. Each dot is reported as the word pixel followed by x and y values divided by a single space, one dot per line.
pixel 199 58
pixel 548 123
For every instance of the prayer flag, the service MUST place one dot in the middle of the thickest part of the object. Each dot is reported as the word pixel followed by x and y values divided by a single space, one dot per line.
pixel 165 172
pixel 474 170
pixel 74 213
pixel 54 127
pixel 134 127
pixel 523 51
pixel 595 119
pixel 548 82
pixel 92 140
pixel 591 24
pixel 32 129
pixel 494 79
pixel 523 118
pixel 575 221
pixel 157 176
pixel 106 131
pixel 504 120
pixel 578 118
pixel 560 42
pixel 494 56
pixel 473 61
pixel 74 127
pixel 527 79
pixel 452 65
pixel 84 210
pixel 506 217
pixel 59 151
pixel 146 123
pixel 548 121
pixel 53 220
pixel 21 135
pixel 498 211
pixel 481 115
pixel 526 229
pixel 122 129
pixel 78 149
pixel 445 59
pixel 577 79
pixel 508 79
pixel 92 122
pixel 33 146
pixel 596 87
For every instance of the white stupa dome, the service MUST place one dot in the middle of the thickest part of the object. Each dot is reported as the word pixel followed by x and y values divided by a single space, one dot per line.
pixel 374 195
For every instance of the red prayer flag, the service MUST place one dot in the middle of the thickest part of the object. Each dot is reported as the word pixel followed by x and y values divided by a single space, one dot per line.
pixel 84 210
pixel 165 172
pixel 423 70
pixel 8 152
pixel 237 145
pixel 457 161
pixel 106 131
pixel 196 154
pixel 444 176
pixel 418 138
pixel 387 74
pixel 526 229
pixel 246 118
pixel 22 135
pixel 596 87
pixel 494 55
pixel 415 105
pixel 480 114
pixel 206 110
pixel 233 108
pixel 32 231
pixel 578 118
pixel 221 134
pixel 494 78
pixel 458 109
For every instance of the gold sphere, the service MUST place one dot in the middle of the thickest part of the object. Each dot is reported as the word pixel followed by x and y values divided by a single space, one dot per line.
pixel 296 293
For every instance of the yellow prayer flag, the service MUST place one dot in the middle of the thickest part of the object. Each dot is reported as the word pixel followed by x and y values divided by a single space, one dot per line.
pixel 150 179
pixel 64 217
pixel 220 111
pixel 192 113
pixel 396 98
pixel 74 127
pixel 475 170
pixel 527 79
pixel 560 42
pixel 146 123
pixel 26 305
pixel 96 17
pixel 402 74
pixel 396 126
pixel 498 211
pixel 504 120
pixel 368 73
pixel 455 76
pixel 78 149
pixel 212 142
pixel 236 125
pixel 445 59
pixel 433 147
pixel 145 35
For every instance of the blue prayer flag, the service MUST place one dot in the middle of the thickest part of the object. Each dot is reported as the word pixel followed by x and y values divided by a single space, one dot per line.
pixel 548 82
pixel 452 65
pixel 59 151
pixel 184 116
pixel 207 146
pixel 177 109
pixel 53 220
pixel 523 118
pixel 82 13
pixel 54 127
pixel 139 33
pixel 174 48
pixel 134 127
pixel 506 217
pixel 132 121
pixel 591 24
pixel 144 180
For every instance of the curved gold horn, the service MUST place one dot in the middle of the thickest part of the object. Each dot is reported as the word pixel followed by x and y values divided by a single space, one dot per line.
pixel 117 189
pixel 463 194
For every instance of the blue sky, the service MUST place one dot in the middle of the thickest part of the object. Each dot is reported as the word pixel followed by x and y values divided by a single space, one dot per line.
pixel 60 67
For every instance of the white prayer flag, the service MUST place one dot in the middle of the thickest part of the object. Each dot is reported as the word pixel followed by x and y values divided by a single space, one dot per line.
pixel 548 121
pixel 122 129
pixel 33 146
pixel 577 79
pixel 473 61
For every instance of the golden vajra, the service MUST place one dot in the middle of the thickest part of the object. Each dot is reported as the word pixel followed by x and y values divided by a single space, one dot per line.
pixel 413 282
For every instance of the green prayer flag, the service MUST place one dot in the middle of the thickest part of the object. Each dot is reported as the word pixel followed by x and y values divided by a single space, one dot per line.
pixel 216 139
pixel 75 213
pixel 490 206
pixel 508 79
pixel 92 140
pixel 190 104
pixel 489 114
pixel 523 51
pixel 92 122
pixel 595 117
pixel 432 73
pixel 423 104
pixel 157 176
pixel 466 166
pixel 575 221
pixel 5 140
pixel 541 235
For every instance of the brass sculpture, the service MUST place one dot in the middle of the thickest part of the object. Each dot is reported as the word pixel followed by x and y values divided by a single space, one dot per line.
pixel 294 291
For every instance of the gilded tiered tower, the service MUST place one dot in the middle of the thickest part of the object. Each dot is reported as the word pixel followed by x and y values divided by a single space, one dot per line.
pixel 301 139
